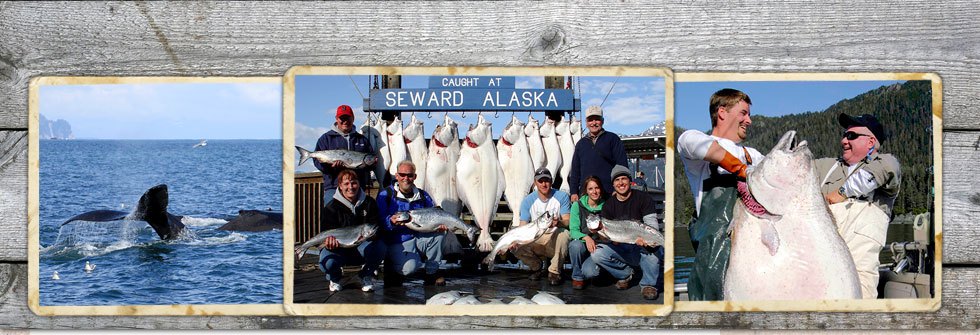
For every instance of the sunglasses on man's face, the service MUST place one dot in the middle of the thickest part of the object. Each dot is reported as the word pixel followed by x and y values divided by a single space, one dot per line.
pixel 346 118
pixel 406 175
pixel 850 135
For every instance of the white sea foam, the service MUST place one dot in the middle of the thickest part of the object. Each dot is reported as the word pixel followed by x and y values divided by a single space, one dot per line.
pixel 201 222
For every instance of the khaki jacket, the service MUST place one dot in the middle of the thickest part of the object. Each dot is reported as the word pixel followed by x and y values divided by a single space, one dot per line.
pixel 832 173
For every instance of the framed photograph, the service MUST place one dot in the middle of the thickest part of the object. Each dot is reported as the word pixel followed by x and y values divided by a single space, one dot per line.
pixel 808 192
pixel 155 196
pixel 417 190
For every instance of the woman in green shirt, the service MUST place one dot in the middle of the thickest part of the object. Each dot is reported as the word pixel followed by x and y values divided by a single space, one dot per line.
pixel 582 245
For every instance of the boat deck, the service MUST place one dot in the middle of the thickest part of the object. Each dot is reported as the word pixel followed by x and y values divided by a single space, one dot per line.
pixel 505 282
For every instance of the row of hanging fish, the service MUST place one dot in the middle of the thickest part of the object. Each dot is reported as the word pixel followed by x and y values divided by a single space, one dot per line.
pixel 466 298
pixel 474 173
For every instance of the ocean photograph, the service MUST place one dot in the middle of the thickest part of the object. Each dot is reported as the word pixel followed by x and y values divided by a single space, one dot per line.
pixel 160 194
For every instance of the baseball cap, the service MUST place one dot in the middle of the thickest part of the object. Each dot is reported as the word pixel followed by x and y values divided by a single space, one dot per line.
pixel 593 111
pixel 541 173
pixel 865 120
pixel 344 110
pixel 620 170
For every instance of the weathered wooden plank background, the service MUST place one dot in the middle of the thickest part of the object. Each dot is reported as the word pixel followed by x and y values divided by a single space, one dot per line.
pixel 265 39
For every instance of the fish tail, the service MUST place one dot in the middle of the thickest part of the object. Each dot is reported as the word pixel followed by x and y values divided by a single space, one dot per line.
pixel 300 251
pixel 303 155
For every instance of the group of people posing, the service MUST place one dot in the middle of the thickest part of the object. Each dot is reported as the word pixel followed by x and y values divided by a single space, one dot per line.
pixel 599 181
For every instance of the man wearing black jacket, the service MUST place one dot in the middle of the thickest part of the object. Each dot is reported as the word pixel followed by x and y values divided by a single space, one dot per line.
pixel 596 154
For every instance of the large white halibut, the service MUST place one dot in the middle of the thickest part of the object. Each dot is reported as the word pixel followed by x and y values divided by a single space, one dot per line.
pixel 480 178
pixel 552 151
pixel 576 129
pixel 384 156
pixel 785 245
pixel 567 147
pixel 440 170
pixel 515 161
pixel 534 145
pixel 419 153
pixel 396 146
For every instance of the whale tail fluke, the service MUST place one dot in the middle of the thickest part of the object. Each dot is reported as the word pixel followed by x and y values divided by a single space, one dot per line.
pixel 152 208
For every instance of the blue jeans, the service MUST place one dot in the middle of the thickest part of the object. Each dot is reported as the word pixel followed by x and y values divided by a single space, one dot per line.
pixel 620 259
pixel 406 257
pixel 369 253
pixel 583 267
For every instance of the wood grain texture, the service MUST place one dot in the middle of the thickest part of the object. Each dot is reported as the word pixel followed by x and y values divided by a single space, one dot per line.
pixel 13 195
pixel 263 39
pixel 209 39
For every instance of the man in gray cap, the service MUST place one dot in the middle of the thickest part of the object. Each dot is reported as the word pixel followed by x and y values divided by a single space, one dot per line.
pixel 621 259
pixel 861 186
pixel 595 155
pixel 553 245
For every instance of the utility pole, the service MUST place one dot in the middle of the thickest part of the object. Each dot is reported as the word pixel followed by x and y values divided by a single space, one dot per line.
pixel 390 81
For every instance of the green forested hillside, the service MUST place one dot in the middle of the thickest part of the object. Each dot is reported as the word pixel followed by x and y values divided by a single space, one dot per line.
pixel 905 111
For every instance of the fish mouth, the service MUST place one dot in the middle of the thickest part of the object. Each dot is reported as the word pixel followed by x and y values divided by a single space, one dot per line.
pixel 788 143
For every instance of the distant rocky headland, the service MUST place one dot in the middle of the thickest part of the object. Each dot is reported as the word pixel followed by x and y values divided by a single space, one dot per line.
pixel 54 130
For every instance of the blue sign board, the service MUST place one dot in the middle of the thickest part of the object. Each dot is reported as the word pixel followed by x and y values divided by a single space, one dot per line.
pixel 471 82
pixel 471 99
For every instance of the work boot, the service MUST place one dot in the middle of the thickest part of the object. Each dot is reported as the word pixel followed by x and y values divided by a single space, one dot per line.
pixel 650 293
pixel 578 284
pixel 554 279
pixel 623 284
pixel 537 275
pixel 434 279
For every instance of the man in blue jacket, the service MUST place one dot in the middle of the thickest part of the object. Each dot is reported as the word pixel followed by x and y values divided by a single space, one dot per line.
pixel 405 246
pixel 342 136
pixel 595 155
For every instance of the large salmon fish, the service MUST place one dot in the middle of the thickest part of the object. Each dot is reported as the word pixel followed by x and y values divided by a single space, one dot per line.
pixel 348 237
pixel 785 245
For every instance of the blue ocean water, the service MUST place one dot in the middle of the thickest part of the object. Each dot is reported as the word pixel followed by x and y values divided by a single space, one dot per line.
pixel 207 185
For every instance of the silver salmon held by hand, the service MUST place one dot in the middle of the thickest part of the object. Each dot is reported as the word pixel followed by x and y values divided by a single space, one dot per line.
pixel 785 245
pixel 348 237
pixel 625 231
pixel 521 235
pixel 351 159
pixel 426 220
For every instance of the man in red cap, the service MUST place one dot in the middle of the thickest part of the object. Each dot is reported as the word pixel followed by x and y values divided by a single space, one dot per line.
pixel 861 186
pixel 342 136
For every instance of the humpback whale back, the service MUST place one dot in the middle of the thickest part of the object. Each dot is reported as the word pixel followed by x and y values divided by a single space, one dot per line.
pixel 152 208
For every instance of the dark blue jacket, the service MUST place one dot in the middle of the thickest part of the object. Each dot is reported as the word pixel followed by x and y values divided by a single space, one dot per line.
pixel 596 160
pixel 389 203
pixel 332 140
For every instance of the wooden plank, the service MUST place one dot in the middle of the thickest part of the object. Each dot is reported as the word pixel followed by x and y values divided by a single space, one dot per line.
pixel 253 39
pixel 207 39
pixel 959 311
pixel 13 195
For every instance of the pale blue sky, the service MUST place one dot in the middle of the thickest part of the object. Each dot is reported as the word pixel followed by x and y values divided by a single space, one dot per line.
pixel 167 111
pixel 633 105
pixel 769 98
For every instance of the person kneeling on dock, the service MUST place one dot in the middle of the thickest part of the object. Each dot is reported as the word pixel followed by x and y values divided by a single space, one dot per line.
pixel 552 245
pixel 583 240
pixel 405 246
pixel 350 207
pixel 620 259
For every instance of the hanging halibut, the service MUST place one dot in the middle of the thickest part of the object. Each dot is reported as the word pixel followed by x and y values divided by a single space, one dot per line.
pixel 396 146
pixel 384 156
pixel 534 145
pixel 576 129
pixel 515 161
pixel 552 151
pixel 480 178
pixel 441 167
pixel 785 245
pixel 567 148
pixel 415 141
